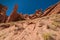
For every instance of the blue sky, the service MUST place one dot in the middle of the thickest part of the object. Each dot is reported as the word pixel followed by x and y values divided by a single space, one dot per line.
pixel 27 6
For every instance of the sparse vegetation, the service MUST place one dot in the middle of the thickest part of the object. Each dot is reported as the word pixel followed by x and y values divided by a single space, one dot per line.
pixel 47 36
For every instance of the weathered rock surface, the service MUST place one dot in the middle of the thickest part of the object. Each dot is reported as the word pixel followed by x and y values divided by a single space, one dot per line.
pixel 37 14
pixel 45 28
pixel 52 9
pixel 3 16
pixel 56 9
pixel 15 16
pixel 39 26
pixel 26 16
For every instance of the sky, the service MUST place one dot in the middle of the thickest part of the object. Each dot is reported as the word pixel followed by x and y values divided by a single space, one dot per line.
pixel 27 6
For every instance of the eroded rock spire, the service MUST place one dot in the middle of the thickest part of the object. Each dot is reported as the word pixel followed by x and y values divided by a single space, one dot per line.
pixel 14 15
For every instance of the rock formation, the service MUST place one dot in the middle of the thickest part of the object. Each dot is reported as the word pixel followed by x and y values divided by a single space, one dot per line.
pixel 3 15
pixel 38 13
pixel 56 9
pixel 52 9
pixel 14 15
pixel 39 26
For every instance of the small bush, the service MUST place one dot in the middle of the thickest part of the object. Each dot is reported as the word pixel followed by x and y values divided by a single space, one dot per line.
pixel 48 36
